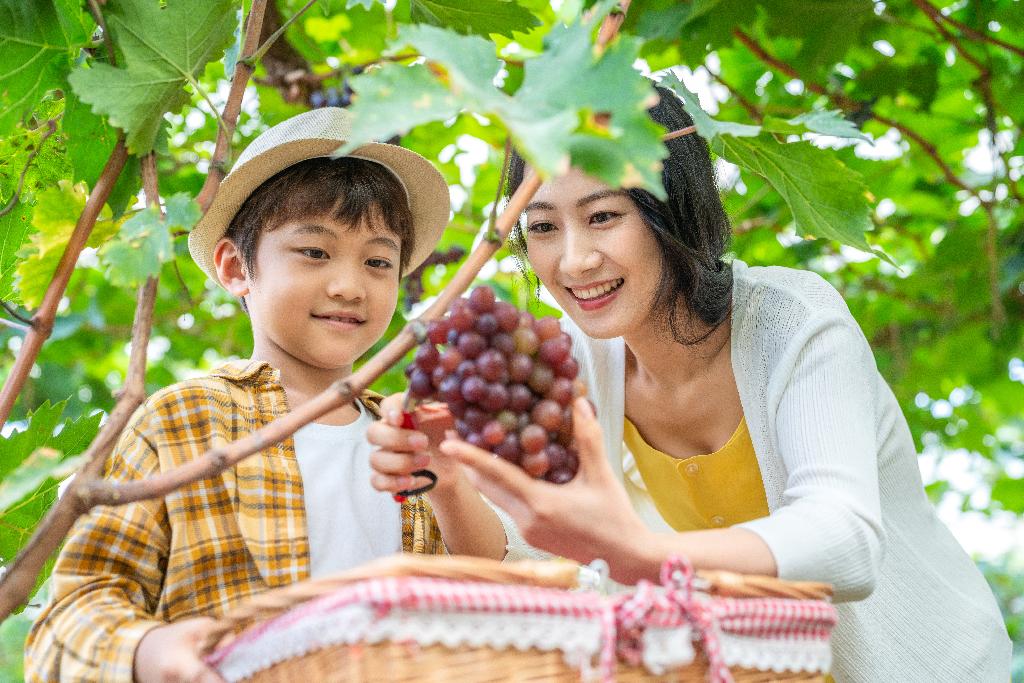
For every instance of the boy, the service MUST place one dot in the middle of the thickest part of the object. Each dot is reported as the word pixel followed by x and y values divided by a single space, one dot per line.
pixel 314 248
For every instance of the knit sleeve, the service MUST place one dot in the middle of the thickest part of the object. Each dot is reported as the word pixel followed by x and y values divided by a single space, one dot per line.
pixel 106 583
pixel 828 527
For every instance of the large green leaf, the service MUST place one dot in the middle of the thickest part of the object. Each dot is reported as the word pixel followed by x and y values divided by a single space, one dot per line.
pixel 162 48
pixel 141 246
pixel 481 17
pixel 14 229
pixel 826 198
pixel 38 40
pixel 707 127
pixel 34 471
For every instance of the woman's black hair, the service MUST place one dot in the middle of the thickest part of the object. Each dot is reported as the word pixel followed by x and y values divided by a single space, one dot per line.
pixel 691 228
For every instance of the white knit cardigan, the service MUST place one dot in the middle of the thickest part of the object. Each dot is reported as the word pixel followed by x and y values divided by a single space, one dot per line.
pixel 840 473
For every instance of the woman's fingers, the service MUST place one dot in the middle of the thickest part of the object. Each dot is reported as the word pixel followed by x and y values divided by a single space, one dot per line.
pixel 503 483
pixel 588 437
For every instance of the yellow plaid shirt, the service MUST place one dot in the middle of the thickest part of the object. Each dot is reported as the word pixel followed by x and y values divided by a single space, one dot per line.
pixel 198 551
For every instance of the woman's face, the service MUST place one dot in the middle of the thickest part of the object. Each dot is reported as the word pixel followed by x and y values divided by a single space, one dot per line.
pixel 590 247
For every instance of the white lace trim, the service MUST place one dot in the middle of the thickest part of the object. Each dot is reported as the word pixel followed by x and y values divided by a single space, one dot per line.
pixel 667 648
pixel 775 654
pixel 578 639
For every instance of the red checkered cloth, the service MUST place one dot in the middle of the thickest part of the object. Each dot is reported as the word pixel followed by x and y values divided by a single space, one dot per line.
pixel 623 618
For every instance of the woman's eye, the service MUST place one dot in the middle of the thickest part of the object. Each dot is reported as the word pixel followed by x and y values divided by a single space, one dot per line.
pixel 603 216
pixel 379 263
pixel 539 227
pixel 314 253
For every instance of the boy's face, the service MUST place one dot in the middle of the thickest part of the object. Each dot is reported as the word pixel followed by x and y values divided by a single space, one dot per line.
pixel 323 293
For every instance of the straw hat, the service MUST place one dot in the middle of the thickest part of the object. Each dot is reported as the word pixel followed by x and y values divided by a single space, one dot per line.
pixel 318 133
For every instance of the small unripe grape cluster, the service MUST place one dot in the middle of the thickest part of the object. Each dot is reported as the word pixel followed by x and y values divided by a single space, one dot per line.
pixel 509 380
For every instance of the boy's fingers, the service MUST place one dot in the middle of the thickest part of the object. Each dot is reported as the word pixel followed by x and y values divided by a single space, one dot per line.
pixel 392 484
pixel 388 462
pixel 393 438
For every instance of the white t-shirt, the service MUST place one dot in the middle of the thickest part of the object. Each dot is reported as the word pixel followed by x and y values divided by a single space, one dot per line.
pixel 347 520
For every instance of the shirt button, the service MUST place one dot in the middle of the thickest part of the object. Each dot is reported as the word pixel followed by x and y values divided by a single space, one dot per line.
pixel 718 520
pixel 692 469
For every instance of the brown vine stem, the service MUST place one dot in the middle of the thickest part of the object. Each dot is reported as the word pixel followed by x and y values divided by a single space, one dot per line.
pixel 42 321
pixel 992 255
pixel 229 117
pixel 936 15
pixel 52 128
pixel 17 583
pixel 262 49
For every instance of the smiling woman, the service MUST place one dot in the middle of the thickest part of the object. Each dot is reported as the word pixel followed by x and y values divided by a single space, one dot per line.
pixel 740 422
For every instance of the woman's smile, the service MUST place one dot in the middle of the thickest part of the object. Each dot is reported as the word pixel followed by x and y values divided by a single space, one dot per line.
pixel 593 296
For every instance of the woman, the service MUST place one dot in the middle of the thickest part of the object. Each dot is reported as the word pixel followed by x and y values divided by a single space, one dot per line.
pixel 745 426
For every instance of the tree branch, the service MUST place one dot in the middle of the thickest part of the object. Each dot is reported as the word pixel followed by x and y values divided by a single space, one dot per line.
pixel 992 256
pixel 262 50
pixel 233 106
pixel 17 583
pixel 52 128
pixel 847 103
pixel 42 321
pixel 936 15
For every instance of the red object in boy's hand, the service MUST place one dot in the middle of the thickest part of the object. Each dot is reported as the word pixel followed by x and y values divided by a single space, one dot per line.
pixel 433 419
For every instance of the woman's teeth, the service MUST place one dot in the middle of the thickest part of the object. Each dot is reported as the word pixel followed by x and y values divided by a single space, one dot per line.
pixel 600 290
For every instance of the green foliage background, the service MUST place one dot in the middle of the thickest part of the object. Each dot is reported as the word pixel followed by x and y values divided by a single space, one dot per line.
pixel 937 195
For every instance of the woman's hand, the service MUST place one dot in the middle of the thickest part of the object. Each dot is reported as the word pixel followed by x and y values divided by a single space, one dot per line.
pixel 401 451
pixel 587 518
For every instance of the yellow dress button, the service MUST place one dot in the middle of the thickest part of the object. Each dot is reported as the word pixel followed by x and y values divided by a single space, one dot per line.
pixel 692 468
pixel 718 520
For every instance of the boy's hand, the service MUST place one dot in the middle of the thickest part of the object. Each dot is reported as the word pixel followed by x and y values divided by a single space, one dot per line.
pixel 400 451
pixel 170 654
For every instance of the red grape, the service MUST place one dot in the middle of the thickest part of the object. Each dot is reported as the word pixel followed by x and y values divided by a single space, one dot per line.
pixel 481 299
pixel 508 380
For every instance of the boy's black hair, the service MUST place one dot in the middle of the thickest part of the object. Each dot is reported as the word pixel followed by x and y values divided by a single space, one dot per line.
pixel 691 228
pixel 354 191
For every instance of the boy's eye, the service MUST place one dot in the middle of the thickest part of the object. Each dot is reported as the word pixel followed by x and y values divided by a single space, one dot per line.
pixel 379 263
pixel 540 227
pixel 314 253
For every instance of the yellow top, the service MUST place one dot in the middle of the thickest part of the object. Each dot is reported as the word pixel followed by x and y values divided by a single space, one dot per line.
pixel 704 491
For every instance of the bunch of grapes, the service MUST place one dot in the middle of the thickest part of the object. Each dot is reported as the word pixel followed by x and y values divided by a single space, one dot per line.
pixel 413 282
pixel 508 379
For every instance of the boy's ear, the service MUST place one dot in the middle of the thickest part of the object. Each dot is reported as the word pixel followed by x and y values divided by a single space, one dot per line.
pixel 230 268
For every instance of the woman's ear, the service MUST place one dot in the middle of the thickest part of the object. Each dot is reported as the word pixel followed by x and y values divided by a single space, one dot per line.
pixel 230 268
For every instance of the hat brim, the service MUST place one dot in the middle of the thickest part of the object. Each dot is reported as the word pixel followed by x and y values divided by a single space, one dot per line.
pixel 429 200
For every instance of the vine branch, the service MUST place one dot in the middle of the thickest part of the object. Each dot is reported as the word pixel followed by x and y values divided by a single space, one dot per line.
pixel 262 50
pixel 42 321
pixel 936 16
pixel 17 583
pixel 233 106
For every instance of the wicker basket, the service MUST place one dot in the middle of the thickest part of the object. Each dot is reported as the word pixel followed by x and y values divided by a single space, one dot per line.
pixel 381 659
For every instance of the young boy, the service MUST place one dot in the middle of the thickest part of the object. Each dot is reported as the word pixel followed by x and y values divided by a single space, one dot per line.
pixel 314 248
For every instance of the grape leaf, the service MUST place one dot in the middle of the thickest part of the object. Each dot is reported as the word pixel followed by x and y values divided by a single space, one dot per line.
pixel 394 99
pixel 481 17
pixel 823 122
pixel 161 50
pixel 73 437
pixel 56 212
pixel 14 229
pixel 143 244
pixel 569 77
pixel 21 504
pixel 707 127
pixel 182 212
pixel 37 41
pixel 89 142
pixel 43 464
pixel 826 198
